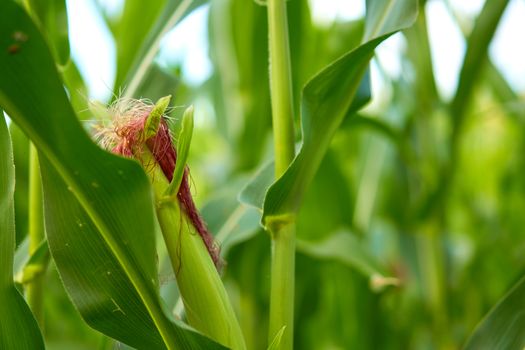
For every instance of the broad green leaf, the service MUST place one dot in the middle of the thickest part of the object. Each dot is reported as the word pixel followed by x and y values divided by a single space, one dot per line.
pixel 98 207
pixel 504 325
pixel 51 17
pixel 18 328
pixel 328 98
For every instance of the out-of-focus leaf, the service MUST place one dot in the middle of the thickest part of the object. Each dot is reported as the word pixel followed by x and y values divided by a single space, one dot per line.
pixel 133 27
pixel 328 98
pixel 504 325
pixel 276 342
pixel 255 190
pixel 475 57
pixel 35 265
pixel 98 207
pixel 21 157
pixel 231 222
pixel 18 328
pixel 344 247
pixel 373 124
pixel 328 203
pixel 238 47
pixel 134 63
pixel 387 16
pixel 157 83
pixel 51 17
pixel 77 90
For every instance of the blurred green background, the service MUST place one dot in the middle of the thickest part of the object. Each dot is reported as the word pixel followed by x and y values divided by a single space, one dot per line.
pixel 412 228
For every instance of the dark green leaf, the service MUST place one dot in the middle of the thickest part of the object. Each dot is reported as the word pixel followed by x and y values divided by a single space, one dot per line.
pixel 21 157
pixel 51 17
pixel 504 326
pixel 18 328
pixel 98 207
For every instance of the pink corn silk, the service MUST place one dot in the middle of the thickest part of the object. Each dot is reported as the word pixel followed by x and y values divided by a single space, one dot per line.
pixel 164 152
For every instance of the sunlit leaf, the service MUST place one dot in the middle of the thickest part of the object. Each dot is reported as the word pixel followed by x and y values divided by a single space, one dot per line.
pixel 143 42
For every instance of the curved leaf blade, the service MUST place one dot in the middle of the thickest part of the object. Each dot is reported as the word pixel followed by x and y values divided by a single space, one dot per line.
pixel 174 11
pixel 18 327
pixel 328 98
pixel 504 325
pixel 110 194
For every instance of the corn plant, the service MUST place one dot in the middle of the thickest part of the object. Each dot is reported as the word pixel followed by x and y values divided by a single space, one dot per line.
pixel 336 233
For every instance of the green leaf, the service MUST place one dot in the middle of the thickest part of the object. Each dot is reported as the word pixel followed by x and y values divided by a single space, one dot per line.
pixel 276 342
pixel 239 88
pixel 504 325
pixel 475 57
pixel 254 191
pixel 158 82
pixel 231 222
pixel 35 265
pixel 98 207
pixel 77 90
pixel 51 17
pixel 18 328
pixel 130 35
pixel 139 62
pixel 152 123
pixel 183 149
pixel 328 98
pixel 387 16
pixel 21 157
pixel 344 247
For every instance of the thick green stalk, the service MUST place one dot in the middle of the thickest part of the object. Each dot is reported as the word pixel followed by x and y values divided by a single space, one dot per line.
pixel 35 288
pixel 282 280
pixel 280 85
pixel 282 231
pixel 207 305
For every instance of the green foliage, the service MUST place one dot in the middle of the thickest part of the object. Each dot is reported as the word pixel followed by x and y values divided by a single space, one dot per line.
pixel 18 328
pixel 408 215
pixel 98 207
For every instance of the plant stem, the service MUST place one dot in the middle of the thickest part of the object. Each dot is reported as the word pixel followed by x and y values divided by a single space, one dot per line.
pixel 282 232
pixel 280 85
pixel 282 283
pixel 35 289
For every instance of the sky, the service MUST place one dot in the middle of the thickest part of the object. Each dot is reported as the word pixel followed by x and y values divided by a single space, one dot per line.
pixel 93 50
